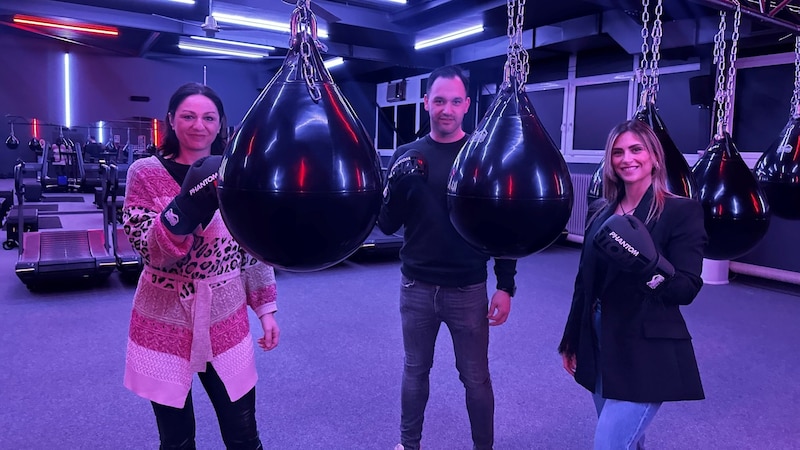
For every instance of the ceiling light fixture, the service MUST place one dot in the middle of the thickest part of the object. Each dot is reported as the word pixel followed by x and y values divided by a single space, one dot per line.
pixel 448 37
pixel 233 43
pixel 259 23
pixel 185 2
pixel 333 62
pixel 83 28
pixel 219 51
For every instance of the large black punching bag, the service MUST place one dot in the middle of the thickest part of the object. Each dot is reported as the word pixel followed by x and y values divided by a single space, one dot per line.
pixel 778 172
pixel 735 206
pixel 300 181
pixel 680 180
pixel 509 193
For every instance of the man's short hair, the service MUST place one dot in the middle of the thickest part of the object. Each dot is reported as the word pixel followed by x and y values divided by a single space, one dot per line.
pixel 448 72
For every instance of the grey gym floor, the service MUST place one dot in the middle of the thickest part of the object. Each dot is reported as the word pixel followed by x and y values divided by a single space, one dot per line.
pixel 334 380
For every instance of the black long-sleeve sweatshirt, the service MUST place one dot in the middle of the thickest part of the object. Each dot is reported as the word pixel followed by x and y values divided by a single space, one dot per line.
pixel 433 251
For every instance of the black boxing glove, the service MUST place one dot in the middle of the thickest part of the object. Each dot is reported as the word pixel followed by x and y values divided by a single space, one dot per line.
pixel 408 167
pixel 197 200
pixel 625 242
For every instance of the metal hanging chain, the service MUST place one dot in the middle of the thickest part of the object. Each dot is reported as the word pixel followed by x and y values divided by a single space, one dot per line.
pixel 651 42
pixel 304 25
pixel 796 94
pixel 517 57
pixel 719 60
pixel 656 36
pixel 644 82
pixel 737 19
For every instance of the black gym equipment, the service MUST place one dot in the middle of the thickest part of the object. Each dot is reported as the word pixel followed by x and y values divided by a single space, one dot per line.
pixel 129 262
pixel 62 171
pixel 510 194
pixel 300 182
pixel 735 206
pixel 59 255
pixel 35 145
pixel 12 142
pixel 778 172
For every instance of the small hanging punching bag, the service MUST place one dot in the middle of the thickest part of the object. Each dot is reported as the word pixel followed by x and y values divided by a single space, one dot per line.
pixel 736 209
pixel 12 142
pixel 510 194
pixel 35 145
pixel 680 180
pixel 300 182
pixel 778 172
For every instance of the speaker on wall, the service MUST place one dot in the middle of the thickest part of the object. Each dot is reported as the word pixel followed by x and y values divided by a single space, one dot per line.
pixel 396 92
pixel 701 90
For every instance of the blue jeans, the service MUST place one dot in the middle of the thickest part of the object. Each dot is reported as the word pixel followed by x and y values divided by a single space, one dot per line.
pixel 620 424
pixel 423 308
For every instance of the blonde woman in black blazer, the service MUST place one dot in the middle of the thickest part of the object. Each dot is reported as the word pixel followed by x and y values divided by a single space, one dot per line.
pixel 638 352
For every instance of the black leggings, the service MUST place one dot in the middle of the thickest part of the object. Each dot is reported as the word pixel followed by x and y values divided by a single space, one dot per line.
pixel 237 420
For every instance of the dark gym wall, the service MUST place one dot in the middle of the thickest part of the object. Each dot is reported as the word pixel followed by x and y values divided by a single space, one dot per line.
pixel 102 83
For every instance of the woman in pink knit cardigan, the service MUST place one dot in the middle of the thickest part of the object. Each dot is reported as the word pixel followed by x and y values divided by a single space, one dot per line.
pixel 190 307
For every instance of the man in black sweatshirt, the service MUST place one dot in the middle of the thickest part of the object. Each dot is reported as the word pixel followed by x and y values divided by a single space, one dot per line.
pixel 443 278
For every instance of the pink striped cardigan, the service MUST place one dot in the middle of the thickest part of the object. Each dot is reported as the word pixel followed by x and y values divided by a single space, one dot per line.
pixel 190 306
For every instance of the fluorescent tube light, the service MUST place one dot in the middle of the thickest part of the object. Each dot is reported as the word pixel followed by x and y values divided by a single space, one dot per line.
pixel 100 137
pixel 219 51
pixel 260 23
pixel 67 94
pixel 185 2
pixel 233 43
pixel 448 37
pixel 333 62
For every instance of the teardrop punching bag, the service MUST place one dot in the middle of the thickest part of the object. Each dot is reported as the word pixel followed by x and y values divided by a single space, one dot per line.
pixel 12 142
pixel 680 180
pixel 778 172
pixel 300 182
pixel 736 209
pixel 510 194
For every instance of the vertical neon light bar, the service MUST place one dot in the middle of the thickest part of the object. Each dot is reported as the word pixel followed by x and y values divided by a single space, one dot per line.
pixel 67 94
pixel 35 128
pixel 100 137
pixel 155 132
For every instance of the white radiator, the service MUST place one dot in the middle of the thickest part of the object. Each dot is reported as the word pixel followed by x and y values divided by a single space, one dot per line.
pixel 580 186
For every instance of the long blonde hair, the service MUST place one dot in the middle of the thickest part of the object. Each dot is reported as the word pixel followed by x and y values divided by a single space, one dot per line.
pixel 614 189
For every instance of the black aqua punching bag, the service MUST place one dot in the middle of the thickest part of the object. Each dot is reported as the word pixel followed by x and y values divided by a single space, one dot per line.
pixel 735 206
pixel 12 142
pixel 300 182
pixel 509 193
pixel 680 180
pixel 778 172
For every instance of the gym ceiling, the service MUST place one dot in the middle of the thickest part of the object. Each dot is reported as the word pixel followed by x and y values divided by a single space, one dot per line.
pixel 376 37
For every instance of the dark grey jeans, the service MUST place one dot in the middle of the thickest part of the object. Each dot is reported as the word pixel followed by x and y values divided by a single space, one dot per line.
pixel 423 308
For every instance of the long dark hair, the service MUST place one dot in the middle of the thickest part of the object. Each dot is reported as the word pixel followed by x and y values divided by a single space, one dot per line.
pixel 170 147
pixel 614 189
